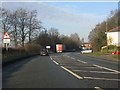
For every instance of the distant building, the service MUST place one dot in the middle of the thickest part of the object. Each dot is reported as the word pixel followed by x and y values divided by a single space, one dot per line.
pixel 113 36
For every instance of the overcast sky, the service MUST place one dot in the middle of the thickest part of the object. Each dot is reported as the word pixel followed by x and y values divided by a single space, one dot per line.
pixel 68 17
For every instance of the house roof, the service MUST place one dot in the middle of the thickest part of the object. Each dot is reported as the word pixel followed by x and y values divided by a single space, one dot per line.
pixel 116 29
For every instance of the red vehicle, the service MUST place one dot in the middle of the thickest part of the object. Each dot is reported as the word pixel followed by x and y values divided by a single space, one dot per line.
pixel 117 51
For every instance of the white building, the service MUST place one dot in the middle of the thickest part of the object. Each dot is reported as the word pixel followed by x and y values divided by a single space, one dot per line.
pixel 113 36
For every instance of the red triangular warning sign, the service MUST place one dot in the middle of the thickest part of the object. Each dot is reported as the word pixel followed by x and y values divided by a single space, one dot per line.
pixel 6 36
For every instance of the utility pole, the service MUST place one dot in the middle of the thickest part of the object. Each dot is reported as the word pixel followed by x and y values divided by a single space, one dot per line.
pixel 106 34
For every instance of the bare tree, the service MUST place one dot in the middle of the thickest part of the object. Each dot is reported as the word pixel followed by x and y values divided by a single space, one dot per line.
pixel 33 25
pixel 14 24
pixel 5 20
pixel 23 22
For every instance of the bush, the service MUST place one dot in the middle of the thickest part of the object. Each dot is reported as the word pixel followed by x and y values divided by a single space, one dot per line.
pixel 32 48
pixel 110 48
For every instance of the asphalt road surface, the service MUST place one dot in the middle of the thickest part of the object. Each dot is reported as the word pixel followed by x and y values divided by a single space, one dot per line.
pixel 62 70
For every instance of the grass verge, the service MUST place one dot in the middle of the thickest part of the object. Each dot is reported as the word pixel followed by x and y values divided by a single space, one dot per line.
pixel 105 55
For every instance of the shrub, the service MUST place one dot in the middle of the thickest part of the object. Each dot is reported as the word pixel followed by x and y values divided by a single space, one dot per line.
pixel 109 48
pixel 33 48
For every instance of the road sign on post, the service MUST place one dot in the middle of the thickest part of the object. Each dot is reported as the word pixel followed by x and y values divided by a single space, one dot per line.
pixel 6 40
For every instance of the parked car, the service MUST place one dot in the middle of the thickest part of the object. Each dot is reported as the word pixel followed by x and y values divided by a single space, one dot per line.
pixel 44 52
pixel 117 51
pixel 86 51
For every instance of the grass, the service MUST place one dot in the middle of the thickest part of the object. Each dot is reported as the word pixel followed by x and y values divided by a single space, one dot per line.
pixel 105 55
pixel 97 53
pixel 11 56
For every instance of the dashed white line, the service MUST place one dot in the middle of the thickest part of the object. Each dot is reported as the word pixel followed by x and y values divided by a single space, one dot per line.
pixel 81 61
pixel 101 78
pixel 74 74
pixel 106 68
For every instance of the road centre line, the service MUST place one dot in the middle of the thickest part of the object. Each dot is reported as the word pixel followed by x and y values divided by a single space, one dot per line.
pixel 95 72
pixel 109 79
pixel 81 61
pixel 106 68
pixel 51 58
pixel 74 74
pixel 56 62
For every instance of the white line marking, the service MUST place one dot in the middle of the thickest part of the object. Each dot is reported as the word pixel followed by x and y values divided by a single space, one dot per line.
pixel 81 61
pixel 74 74
pixel 106 68
pixel 56 62
pixel 95 71
pixel 51 58
pixel 98 88
pixel 101 78
pixel 72 58
pixel 68 56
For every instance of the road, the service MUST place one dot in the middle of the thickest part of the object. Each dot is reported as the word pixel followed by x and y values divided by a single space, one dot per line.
pixel 62 70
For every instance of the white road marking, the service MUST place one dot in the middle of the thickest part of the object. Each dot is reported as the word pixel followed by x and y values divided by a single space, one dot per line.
pixel 109 79
pixel 56 62
pixel 98 88
pixel 72 58
pixel 74 74
pixel 51 58
pixel 68 56
pixel 106 68
pixel 95 71
pixel 81 61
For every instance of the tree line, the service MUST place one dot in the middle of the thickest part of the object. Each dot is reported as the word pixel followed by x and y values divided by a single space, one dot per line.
pixel 97 36
pixel 25 28
pixel 21 24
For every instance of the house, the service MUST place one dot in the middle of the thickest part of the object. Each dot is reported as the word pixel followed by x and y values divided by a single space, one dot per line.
pixel 113 36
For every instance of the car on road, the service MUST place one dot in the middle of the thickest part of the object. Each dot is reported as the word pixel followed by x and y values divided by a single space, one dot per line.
pixel 44 52
pixel 86 51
